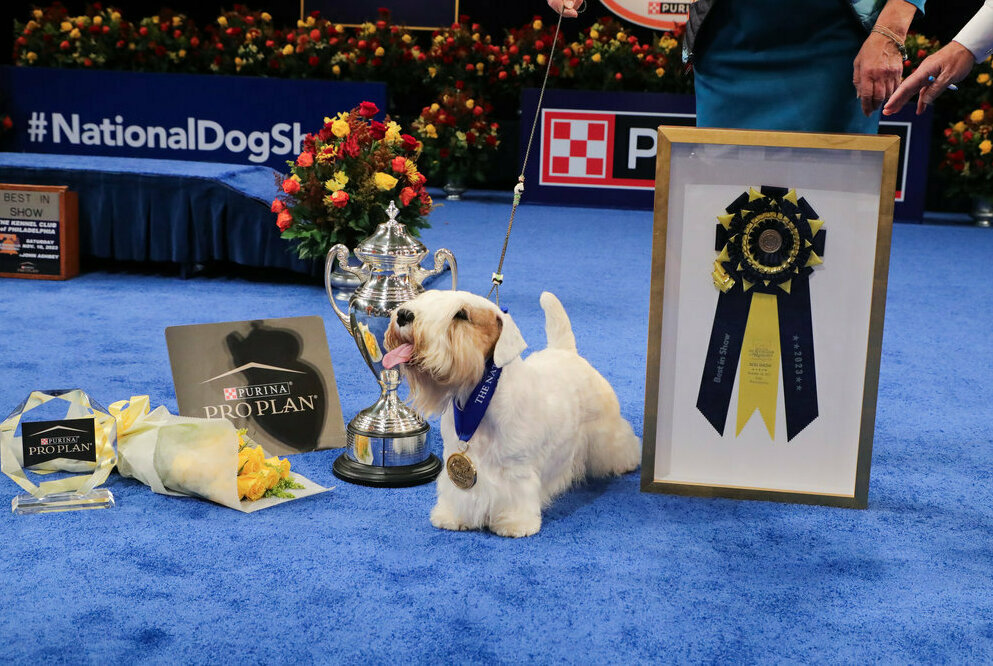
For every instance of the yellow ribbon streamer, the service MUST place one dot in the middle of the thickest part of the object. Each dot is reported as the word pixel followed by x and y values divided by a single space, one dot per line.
pixel 758 379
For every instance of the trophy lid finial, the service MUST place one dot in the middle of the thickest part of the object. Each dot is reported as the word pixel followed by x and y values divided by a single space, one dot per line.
pixel 392 211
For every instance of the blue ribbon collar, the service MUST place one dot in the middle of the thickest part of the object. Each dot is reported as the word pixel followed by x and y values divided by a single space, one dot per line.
pixel 468 417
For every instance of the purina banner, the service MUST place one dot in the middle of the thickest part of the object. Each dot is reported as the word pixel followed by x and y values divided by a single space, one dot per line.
pixel 231 119
pixel 598 149
pixel 651 13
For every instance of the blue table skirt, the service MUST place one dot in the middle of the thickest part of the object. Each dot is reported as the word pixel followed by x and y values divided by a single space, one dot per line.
pixel 134 209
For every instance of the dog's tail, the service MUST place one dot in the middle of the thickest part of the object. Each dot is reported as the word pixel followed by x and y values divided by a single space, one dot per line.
pixel 558 330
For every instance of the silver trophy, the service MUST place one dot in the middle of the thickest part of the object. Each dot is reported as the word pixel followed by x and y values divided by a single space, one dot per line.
pixel 386 442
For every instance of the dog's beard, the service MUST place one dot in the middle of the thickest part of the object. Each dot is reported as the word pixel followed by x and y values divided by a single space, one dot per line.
pixel 437 371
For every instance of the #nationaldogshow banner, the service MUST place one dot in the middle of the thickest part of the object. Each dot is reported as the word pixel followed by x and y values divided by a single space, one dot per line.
pixel 231 119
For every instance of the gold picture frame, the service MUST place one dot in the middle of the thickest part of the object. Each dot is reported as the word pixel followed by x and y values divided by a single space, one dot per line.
pixel 853 178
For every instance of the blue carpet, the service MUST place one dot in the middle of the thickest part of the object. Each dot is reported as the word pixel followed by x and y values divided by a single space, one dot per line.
pixel 358 575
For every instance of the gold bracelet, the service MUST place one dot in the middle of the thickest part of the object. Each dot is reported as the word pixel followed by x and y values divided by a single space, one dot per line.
pixel 889 34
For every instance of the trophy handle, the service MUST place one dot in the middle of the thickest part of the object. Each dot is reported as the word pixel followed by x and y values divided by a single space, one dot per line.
pixel 339 252
pixel 441 257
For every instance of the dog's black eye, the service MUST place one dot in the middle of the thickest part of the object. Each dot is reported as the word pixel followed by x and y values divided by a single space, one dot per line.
pixel 461 314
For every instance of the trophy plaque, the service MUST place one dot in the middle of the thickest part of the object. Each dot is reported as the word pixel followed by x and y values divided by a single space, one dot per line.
pixel 59 446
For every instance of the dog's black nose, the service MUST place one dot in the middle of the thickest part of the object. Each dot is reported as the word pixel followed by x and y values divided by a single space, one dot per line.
pixel 404 317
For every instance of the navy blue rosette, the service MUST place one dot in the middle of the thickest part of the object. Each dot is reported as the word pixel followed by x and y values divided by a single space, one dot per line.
pixel 768 242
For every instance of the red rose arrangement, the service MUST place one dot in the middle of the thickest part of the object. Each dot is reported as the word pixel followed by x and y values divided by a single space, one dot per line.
pixel 341 184
pixel 968 149
pixel 457 135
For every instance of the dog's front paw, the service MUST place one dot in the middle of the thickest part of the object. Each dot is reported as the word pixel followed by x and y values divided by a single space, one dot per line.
pixel 444 519
pixel 516 525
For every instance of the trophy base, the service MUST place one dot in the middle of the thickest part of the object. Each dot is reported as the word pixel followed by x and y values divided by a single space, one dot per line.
pixel 26 504
pixel 398 476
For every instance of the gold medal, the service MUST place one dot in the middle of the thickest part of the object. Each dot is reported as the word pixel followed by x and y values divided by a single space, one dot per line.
pixel 461 471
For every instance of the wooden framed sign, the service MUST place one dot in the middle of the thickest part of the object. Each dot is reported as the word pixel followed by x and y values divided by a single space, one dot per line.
pixel 769 266
pixel 39 232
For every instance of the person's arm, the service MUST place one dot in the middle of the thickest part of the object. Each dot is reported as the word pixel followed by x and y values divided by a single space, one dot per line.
pixel 879 65
pixel 949 65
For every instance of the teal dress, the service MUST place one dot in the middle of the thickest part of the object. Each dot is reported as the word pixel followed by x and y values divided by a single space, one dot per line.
pixel 769 64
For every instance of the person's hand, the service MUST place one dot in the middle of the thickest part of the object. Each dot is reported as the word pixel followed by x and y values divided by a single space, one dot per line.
pixel 949 65
pixel 566 8
pixel 877 71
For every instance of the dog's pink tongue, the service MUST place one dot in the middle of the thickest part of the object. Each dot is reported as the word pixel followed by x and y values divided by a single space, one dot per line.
pixel 397 356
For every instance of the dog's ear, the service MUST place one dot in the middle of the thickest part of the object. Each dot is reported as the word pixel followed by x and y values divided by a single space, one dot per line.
pixel 510 344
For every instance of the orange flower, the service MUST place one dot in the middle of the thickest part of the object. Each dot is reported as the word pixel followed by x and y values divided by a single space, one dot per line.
pixel 305 159
pixel 284 220
pixel 407 195
pixel 340 198
pixel 278 206
pixel 291 186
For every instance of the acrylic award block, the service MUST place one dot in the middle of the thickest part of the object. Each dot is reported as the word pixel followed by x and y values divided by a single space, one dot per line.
pixel 59 446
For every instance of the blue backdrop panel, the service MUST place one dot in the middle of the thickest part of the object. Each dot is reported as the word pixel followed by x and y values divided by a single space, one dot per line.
pixel 598 149
pixel 164 210
pixel 230 119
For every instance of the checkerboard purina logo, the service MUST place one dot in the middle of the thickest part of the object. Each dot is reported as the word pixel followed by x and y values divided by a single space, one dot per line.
pixel 577 147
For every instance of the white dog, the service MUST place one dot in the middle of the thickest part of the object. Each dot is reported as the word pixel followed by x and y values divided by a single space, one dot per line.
pixel 551 420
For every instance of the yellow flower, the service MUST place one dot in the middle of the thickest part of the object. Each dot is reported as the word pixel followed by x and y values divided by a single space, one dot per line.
pixel 66 26
pixel 983 78
pixel 430 131
pixel 594 34
pixel 407 39
pixel 621 37
pixel 337 182
pixel 537 24
pixel 98 20
pixel 977 116
pixel 32 25
pixel 432 71
pixel 336 70
pixel 266 16
pixel 384 181
pixel 959 126
pixel 392 132
pixel 74 34
pixel 250 460
pixel 176 21
pixel 311 21
pixel 288 50
pixel 435 107
pixel 222 21
pixel 281 466
pixel 596 57
pixel 340 128
pixel 301 24
pixel 659 72
pixel 182 53
pixel 541 58
pixel 238 62
pixel 37 14
pixel 410 169
pixel 251 486
pixel 31 56
pixel 115 16
pixel 380 52
pixel 469 103
pixel 339 27
pixel 985 147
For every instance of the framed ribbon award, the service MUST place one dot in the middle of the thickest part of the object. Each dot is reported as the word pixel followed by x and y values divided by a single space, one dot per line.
pixel 769 266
